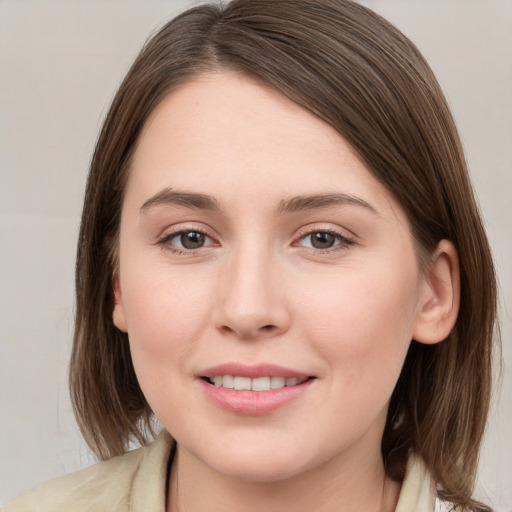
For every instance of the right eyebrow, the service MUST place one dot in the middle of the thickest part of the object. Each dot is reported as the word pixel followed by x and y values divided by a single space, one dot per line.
pixel 181 198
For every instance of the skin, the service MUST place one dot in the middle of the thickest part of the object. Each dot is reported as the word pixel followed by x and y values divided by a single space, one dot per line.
pixel 260 291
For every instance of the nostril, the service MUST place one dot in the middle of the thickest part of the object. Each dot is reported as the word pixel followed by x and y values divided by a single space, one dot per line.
pixel 264 330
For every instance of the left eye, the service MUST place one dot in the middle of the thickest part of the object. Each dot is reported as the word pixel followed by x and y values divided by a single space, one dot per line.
pixel 189 240
pixel 323 240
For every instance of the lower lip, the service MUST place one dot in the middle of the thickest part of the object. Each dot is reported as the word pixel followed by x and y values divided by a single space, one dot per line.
pixel 254 403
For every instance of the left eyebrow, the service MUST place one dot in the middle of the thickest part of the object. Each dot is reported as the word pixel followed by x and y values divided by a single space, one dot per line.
pixel 300 203
pixel 181 198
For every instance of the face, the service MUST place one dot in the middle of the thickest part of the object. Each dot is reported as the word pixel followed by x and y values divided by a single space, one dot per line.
pixel 257 251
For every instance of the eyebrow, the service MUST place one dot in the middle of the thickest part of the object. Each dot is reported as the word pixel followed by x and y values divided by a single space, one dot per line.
pixel 180 198
pixel 290 205
pixel 301 203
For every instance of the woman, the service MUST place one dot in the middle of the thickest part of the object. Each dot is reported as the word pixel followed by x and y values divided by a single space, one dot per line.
pixel 282 260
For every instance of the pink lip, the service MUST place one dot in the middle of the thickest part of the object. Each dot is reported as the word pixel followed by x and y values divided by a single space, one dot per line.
pixel 252 403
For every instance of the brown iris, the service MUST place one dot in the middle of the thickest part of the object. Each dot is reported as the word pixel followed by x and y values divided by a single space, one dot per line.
pixel 322 240
pixel 192 239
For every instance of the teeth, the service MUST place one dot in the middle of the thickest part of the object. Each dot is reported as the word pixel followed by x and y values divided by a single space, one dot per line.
pixel 257 384
pixel 227 382
pixel 261 384
pixel 277 382
pixel 241 383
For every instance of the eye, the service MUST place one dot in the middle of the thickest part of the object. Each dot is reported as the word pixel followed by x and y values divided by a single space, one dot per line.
pixel 191 239
pixel 324 240
pixel 186 240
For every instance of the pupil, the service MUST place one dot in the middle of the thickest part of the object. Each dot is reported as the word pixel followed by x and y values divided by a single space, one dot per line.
pixel 192 240
pixel 322 240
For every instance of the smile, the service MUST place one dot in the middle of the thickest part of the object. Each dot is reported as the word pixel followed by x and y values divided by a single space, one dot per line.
pixel 254 390
pixel 257 384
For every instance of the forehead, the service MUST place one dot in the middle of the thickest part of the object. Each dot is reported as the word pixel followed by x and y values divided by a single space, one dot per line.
pixel 225 132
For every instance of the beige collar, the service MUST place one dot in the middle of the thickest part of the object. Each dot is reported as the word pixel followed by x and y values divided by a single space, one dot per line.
pixel 418 493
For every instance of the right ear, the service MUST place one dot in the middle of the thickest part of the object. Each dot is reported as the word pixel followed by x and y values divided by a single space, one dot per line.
pixel 118 315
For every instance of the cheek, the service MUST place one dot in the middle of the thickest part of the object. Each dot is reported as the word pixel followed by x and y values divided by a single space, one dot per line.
pixel 363 327
pixel 166 315
pixel 165 319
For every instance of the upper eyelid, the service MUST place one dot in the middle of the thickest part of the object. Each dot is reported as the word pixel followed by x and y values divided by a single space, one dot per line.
pixel 322 227
pixel 175 230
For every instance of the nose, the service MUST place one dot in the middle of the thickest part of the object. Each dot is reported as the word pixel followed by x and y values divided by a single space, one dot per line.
pixel 251 303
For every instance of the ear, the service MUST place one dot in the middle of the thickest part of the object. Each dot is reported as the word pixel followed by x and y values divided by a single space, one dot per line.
pixel 440 296
pixel 118 315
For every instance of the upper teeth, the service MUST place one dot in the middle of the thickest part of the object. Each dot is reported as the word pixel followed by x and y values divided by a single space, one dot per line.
pixel 257 384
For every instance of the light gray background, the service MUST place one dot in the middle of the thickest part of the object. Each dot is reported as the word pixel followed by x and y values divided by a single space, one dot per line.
pixel 60 64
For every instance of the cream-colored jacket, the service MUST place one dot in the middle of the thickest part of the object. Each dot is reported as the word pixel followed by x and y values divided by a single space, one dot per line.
pixel 136 482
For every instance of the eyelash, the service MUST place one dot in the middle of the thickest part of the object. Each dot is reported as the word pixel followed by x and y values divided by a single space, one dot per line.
pixel 342 240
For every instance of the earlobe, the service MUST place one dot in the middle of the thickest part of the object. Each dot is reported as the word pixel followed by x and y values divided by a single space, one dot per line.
pixel 440 296
pixel 118 315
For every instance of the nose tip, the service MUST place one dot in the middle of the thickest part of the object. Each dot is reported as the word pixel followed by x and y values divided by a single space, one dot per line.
pixel 251 303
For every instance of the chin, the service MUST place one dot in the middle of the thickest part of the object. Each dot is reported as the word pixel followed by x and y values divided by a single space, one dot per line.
pixel 254 464
pixel 259 471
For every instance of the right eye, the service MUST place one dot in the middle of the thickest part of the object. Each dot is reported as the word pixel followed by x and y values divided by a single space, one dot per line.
pixel 186 240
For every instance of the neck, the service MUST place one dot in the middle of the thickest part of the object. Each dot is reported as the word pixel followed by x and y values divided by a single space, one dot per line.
pixel 352 485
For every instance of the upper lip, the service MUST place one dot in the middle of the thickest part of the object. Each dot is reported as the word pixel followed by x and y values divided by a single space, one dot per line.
pixel 251 371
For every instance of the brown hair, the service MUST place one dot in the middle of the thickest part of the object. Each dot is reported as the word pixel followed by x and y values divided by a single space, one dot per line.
pixel 361 75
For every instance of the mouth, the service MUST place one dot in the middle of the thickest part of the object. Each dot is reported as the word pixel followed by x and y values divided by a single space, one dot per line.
pixel 254 390
pixel 267 383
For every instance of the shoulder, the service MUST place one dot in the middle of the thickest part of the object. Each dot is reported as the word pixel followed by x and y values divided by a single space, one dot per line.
pixel 113 485
pixel 77 488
